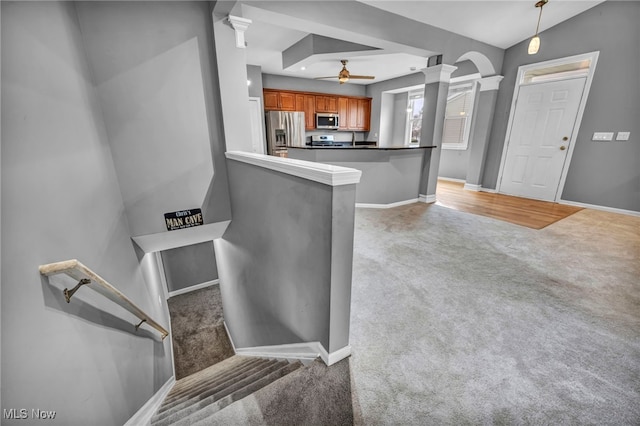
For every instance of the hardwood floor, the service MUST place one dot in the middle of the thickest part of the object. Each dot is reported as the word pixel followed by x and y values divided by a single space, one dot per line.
pixel 521 211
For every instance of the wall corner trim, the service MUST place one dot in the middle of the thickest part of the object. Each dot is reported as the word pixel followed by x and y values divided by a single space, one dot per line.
pixel 427 198
pixel 144 414
pixel 318 172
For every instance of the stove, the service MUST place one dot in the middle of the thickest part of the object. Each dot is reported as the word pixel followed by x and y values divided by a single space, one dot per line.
pixel 321 140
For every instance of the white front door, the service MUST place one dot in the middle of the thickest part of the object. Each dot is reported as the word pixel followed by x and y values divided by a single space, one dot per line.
pixel 538 144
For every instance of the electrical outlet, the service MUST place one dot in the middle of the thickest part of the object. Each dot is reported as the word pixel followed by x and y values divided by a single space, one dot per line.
pixel 623 136
pixel 602 136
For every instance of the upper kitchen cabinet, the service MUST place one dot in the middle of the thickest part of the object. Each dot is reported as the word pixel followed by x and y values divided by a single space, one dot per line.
pixel 364 114
pixel 355 113
pixel 326 103
pixel 307 104
pixel 343 113
pixel 277 100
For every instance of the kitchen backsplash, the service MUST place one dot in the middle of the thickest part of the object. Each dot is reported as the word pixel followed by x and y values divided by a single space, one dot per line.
pixel 338 136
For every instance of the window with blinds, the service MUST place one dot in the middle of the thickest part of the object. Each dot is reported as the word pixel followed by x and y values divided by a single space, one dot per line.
pixel 457 120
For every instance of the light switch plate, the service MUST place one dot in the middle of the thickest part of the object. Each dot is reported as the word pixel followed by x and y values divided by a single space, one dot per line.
pixel 623 136
pixel 602 136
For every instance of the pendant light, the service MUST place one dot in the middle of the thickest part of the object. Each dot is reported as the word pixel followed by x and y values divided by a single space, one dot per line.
pixel 534 44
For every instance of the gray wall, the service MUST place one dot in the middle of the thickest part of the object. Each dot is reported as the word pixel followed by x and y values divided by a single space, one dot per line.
pixel 605 174
pixel 398 134
pixel 388 176
pixel 454 163
pixel 154 68
pixel 381 111
pixel 61 200
pixel 275 259
pixel 271 81
pixel 254 74
pixel 190 265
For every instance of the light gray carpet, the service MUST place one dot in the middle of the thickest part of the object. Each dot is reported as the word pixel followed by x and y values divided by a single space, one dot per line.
pixel 463 319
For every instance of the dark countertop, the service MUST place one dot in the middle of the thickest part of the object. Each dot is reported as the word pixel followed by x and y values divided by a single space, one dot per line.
pixel 368 147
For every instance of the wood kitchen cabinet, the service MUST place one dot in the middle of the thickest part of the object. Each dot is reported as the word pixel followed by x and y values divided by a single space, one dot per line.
pixel 363 121
pixel 276 100
pixel 326 104
pixel 307 104
pixel 355 112
pixel 343 112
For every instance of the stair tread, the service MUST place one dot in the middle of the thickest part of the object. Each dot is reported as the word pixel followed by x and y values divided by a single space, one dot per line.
pixel 230 392
pixel 212 370
pixel 201 416
pixel 214 388
pixel 209 382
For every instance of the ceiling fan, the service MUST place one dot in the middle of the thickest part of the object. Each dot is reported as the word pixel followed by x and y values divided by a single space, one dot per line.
pixel 344 75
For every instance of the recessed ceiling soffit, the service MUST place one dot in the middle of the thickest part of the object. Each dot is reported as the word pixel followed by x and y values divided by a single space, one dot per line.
pixel 314 47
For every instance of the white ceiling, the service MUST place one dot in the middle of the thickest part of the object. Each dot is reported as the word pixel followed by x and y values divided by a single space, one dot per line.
pixel 500 23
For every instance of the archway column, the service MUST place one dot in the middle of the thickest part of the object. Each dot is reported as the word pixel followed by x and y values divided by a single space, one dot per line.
pixel 481 130
pixel 436 89
pixel 232 73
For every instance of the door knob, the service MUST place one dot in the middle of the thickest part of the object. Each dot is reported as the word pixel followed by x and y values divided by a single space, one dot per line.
pixel 562 148
pixel 565 138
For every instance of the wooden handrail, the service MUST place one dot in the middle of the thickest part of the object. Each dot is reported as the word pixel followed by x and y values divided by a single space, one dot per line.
pixel 86 276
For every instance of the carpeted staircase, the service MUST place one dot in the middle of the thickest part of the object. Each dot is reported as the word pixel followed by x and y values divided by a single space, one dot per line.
pixel 216 387
pixel 196 398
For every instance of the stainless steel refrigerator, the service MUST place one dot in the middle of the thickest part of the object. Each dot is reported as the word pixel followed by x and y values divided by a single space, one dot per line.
pixel 284 129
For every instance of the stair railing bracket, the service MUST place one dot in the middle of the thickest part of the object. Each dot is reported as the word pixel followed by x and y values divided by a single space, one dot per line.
pixel 140 323
pixel 68 293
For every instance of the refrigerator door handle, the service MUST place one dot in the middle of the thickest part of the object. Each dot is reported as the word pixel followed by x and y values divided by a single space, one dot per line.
pixel 289 129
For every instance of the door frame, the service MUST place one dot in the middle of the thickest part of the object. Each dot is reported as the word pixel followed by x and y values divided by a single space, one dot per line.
pixel 593 57
pixel 261 122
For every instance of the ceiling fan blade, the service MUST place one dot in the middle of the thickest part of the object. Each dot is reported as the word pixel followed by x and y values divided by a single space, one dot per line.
pixel 367 77
pixel 320 78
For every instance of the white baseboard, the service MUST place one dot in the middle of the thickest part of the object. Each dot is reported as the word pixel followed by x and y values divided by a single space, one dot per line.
pixel 143 416
pixel 472 187
pixel 303 351
pixel 386 206
pixel 333 357
pixel 602 208
pixel 427 198
pixel 193 288
pixel 451 179
pixel 492 191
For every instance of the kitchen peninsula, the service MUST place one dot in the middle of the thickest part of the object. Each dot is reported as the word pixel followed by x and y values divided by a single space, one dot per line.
pixel 390 175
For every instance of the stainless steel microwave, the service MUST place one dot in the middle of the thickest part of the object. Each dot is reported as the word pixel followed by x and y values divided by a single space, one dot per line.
pixel 327 121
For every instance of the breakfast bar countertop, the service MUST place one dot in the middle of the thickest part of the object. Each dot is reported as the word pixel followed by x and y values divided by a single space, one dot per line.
pixel 368 147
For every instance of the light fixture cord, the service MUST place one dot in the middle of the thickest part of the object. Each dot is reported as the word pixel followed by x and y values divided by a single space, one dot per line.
pixel 539 16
